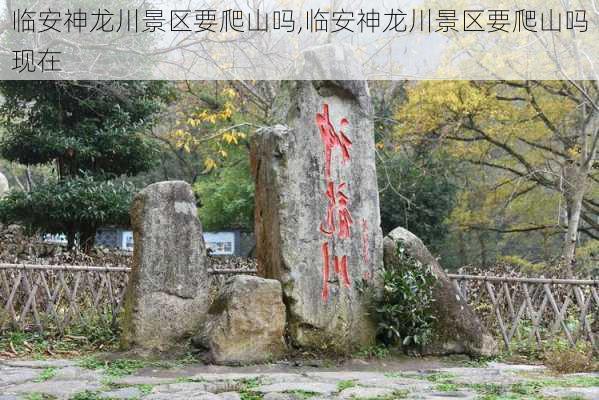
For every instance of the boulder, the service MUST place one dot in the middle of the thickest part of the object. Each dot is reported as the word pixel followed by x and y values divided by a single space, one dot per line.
pixel 317 210
pixel 246 322
pixel 167 298
pixel 458 329
pixel 3 185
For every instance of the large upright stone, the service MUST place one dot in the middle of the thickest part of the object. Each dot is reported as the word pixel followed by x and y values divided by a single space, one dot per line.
pixel 317 210
pixel 168 294
pixel 3 185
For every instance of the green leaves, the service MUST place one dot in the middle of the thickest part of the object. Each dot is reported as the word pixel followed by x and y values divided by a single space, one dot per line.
pixel 61 207
pixel 89 128
pixel 227 196
pixel 403 308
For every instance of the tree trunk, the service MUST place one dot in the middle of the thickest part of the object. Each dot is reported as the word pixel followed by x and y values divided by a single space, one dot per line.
pixel 463 254
pixel 88 239
pixel 483 250
pixel 575 186
pixel 574 210
pixel 71 235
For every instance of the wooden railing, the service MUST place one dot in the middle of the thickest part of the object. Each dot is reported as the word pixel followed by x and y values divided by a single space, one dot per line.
pixel 534 310
pixel 55 296
pixel 518 310
pixel 52 297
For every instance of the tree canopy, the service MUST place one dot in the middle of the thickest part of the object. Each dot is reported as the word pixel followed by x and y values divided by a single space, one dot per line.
pixel 89 133
pixel 534 141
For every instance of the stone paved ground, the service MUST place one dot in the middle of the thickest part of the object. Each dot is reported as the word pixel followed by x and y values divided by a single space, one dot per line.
pixel 409 379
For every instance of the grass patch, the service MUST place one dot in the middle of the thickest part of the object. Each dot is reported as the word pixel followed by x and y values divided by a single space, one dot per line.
pixel 342 385
pixel 440 377
pixel 397 394
pixel 123 367
pixel 80 339
pixel 47 374
pixel 247 391
pixel 250 396
pixel 114 368
pixel 145 389
pixel 398 375
pixel 38 396
pixel 447 387
pixel 87 395
pixel 488 389
pixel 302 394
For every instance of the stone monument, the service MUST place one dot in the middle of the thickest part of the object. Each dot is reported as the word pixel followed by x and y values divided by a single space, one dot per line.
pixel 317 208
pixel 168 294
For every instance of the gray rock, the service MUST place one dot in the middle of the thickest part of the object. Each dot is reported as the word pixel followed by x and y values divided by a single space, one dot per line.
pixel 312 387
pixel 183 396
pixel 246 322
pixel 589 393
pixel 61 390
pixel 364 393
pixel 124 393
pixel 328 62
pixel 293 173
pixel 77 374
pixel 229 396
pixel 461 395
pixel 465 376
pixel 168 293
pixel 278 396
pixel 185 387
pixel 41 364
pixel 142 380
pixel 3 185
pixel 8 397
pixel 459 329
pixel 516 367
pixel 14 376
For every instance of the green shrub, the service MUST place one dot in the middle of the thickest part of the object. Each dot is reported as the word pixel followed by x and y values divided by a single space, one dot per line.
pixel 403 307
pixel 565 359
pixel 71 206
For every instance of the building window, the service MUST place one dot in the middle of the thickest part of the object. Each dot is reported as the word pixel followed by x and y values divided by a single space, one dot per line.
pixel 220 247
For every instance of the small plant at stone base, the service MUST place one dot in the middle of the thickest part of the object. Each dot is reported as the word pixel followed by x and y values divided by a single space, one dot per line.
pixel 403 307
pixel 374 352
pixel 342 385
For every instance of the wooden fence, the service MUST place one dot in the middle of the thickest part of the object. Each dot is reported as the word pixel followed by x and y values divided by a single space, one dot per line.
pixel 49 297
pixel 518 310
pixel 37 297
pixel 534 310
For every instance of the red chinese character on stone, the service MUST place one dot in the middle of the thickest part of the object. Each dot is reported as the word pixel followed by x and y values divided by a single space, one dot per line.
pixel 338 201
pixel 332 139
pixel 338 217
pixel 340 266
pixel 345 219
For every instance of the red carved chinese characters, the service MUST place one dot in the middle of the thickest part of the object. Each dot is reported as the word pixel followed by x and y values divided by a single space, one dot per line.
pixel 338 219
pixel 332 139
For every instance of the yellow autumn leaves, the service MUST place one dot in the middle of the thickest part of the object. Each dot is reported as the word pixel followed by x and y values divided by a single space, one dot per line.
pixel 207 129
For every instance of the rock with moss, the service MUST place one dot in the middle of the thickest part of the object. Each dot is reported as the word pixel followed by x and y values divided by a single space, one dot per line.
pixel 457 328
pixel 246 322
pixel 168 294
